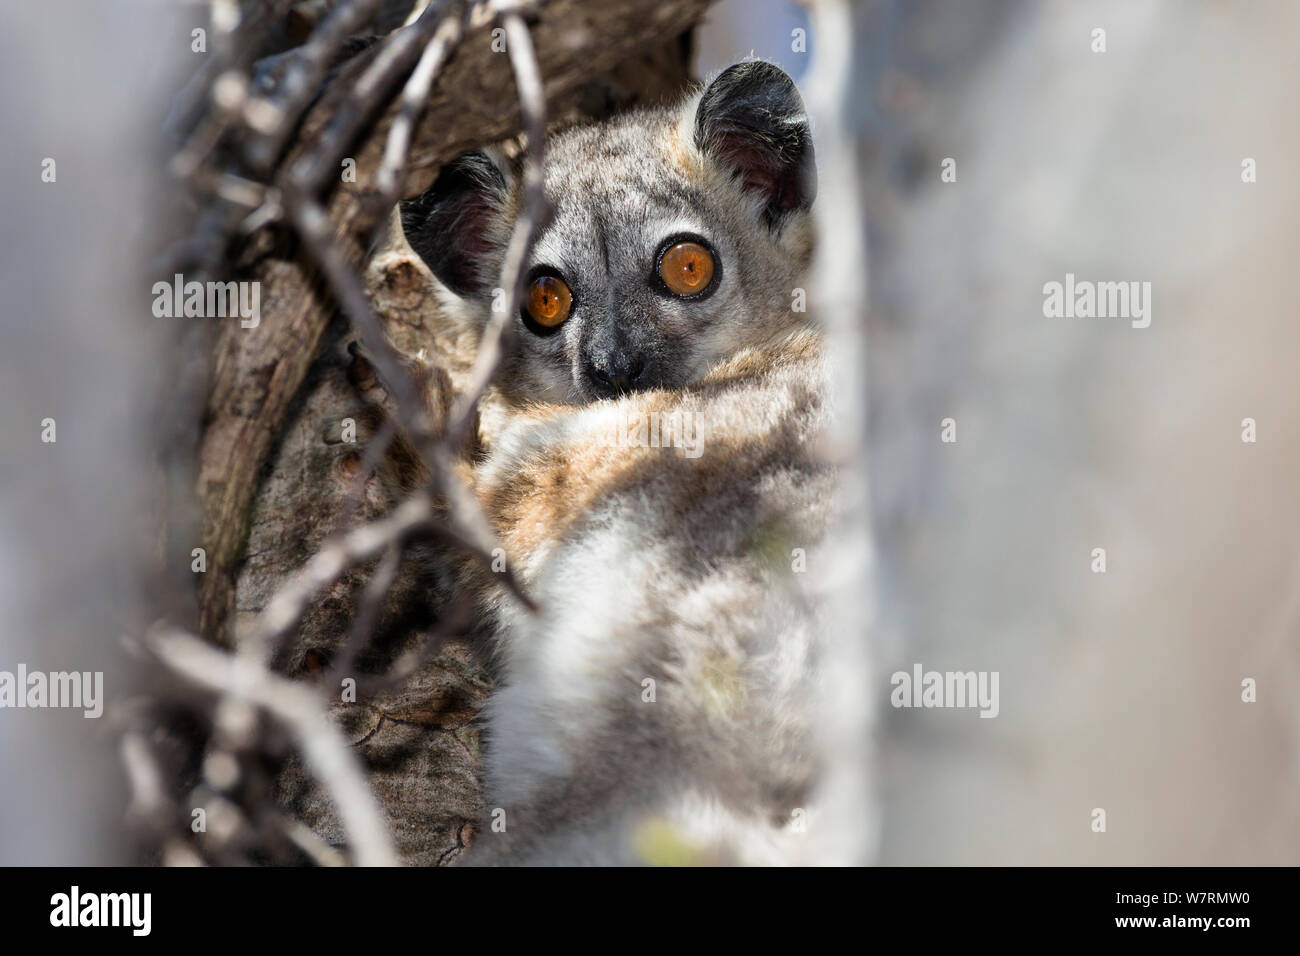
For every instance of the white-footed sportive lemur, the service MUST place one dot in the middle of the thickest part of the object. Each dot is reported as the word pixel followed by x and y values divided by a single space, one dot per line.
pixel 658 484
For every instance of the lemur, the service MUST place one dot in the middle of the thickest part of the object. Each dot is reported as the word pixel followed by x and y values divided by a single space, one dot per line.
pixel 660 703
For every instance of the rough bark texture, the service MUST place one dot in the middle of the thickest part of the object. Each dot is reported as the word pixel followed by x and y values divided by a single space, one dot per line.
pixel 277 470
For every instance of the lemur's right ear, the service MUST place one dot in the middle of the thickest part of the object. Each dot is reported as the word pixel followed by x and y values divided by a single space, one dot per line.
pixel 458 227
pixel 752 120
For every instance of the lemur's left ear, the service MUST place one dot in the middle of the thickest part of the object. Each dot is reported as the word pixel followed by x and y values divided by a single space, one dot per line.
pixel 752 120
pixel 459 226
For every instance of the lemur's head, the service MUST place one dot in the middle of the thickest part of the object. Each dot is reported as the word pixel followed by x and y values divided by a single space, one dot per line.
pixel 679 237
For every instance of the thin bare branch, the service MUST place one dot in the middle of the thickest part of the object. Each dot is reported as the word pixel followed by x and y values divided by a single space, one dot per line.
pixel 301 836
pixel 273 117
pixel 297 707
pixel 286 608
pixel 313 169
pixel 231 52
pixel 534 213
pixel 367 616
pixel 415 97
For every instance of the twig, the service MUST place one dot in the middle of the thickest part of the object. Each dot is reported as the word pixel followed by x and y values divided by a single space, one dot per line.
pixel 274 117
pixel 533 216
pixel 367 616
pixel 296 707
pixel 151 812
pixel 149 801
pixel 233 51
pixel 415 97
pixel 313 169
pixel 301 836
pixel 286 608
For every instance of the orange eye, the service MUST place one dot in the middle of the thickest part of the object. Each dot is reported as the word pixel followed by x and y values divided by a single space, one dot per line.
pixel 548 301
pixel 686 268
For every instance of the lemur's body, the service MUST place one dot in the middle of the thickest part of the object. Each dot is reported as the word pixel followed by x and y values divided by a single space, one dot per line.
pixel 663 695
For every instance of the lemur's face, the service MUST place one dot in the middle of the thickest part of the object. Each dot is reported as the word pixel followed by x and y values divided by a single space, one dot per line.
pixel 678 237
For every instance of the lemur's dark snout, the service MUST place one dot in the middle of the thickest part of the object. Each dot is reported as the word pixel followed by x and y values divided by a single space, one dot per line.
pixel 616 373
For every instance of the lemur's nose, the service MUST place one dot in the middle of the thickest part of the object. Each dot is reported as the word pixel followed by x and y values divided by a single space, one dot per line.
pixel 615 374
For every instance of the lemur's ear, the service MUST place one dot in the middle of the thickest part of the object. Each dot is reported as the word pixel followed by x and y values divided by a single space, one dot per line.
pixel 752 120
pixel 458 227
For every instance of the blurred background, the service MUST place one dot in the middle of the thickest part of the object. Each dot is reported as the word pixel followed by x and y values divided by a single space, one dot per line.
pixel 1116 157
